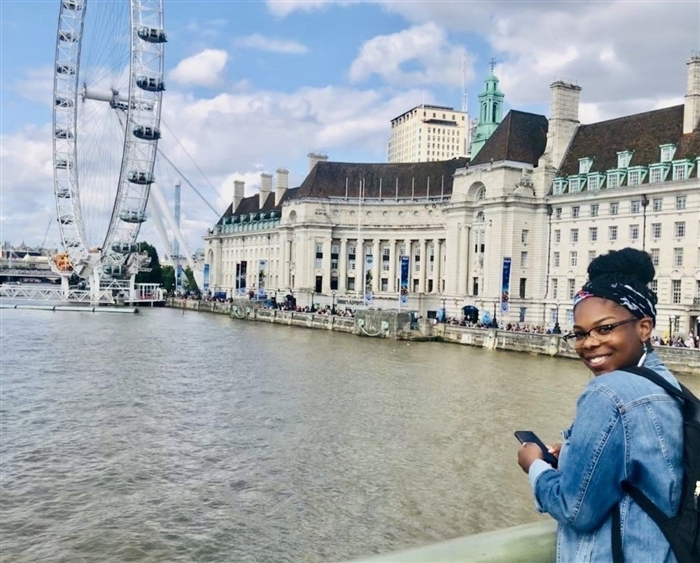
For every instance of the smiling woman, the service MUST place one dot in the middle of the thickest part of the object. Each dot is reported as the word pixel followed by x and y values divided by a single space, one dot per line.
pixel 627 429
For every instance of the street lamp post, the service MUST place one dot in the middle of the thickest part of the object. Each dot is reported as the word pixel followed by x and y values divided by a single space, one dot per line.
pixel 494 321
pixel 333 302
pixel 444 311
pixel 313 292
pixel 557 328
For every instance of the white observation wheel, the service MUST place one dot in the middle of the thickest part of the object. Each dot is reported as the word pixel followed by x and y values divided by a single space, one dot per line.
pixel 108 85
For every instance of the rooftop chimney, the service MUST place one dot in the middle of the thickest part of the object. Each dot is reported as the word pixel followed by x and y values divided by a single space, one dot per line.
pixel 563 122
pixel 265 187
pixel 282 184
pixel 691 112
pixel 315 157
pixel 238 194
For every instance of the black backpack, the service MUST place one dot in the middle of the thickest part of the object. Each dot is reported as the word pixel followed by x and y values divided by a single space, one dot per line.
pixel 682 530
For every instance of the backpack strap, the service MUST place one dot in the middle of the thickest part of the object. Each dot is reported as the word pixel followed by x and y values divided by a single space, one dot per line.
pixel 654 377
pixel 616 530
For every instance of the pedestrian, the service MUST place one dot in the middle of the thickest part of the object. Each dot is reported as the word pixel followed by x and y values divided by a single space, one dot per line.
pixel 626 428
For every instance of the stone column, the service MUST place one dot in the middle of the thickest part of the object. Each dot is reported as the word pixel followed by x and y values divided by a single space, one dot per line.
pixel 423 265
pixel 463 261
pixel 327 265
pixel 377 265
pixel 343 266
pixel 437 273
pixel 393 257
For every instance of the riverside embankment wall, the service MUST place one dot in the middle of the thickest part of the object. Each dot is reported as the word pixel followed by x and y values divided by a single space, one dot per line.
pixel 391 324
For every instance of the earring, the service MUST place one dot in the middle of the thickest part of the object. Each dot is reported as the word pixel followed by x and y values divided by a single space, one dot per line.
pixel 645 351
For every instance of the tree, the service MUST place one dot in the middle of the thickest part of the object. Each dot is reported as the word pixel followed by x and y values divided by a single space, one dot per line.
pixel 156 274
pixel 189 283
pixel 168 276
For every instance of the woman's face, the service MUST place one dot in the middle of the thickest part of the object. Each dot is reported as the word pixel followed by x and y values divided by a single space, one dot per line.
pixel 621 347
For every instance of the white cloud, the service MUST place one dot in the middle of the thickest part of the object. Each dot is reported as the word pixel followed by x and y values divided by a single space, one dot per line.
pixel 283 8
pixel 262 43
pixel 415 56
pixel 202 69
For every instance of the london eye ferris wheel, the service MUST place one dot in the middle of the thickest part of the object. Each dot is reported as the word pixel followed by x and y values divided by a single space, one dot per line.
pixel 108 85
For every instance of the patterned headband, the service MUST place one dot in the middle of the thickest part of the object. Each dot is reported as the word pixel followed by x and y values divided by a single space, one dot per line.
pixel 641 305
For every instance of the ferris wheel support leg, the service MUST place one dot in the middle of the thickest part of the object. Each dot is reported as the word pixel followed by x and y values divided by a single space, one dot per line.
pixel 95 286
pixel 65 285
pixel 162 206
pixel 161 230
pixel 132 289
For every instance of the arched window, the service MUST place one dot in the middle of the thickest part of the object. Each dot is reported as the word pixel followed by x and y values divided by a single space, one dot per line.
pixel 481 194
pixel 480 217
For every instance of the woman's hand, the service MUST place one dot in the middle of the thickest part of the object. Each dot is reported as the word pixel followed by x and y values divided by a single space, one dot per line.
pixel 554 450
pixel 527 454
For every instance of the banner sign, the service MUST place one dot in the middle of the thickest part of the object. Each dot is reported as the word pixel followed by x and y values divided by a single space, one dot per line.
pixel 178 278
pixel 403 287
pixel 205 285
pixel 369 262
pixel 241 272
pixel 505 285
pixel 262 276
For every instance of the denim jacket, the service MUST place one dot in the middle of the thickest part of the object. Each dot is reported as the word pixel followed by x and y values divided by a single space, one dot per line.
pixel 626 429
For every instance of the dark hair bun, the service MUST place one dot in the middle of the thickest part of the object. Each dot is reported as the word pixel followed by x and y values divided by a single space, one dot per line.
pixel 627 265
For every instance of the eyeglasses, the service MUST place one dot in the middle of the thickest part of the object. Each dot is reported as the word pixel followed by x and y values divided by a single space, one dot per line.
pixel 600 333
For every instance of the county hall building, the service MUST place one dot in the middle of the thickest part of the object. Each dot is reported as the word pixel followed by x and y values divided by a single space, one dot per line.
pixel 510 231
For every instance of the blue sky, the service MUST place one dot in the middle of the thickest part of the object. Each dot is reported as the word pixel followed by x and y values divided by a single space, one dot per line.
pixel 252 86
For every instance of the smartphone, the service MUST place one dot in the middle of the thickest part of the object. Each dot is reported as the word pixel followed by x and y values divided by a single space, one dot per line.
pixel 528 436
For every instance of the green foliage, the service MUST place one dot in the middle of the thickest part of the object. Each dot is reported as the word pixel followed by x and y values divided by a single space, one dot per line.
pixel 189 283
pixel 168 276
pixel 155 275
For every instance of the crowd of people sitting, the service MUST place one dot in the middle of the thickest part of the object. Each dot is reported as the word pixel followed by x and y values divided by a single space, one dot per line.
pixel 690 341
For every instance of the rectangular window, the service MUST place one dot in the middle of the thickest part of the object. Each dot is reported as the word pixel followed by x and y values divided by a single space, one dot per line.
pixel 656 230
pixel 676 291
pixel 523 259
pixel 557 235
pixel 385 284
pixel 612 232
pixel 656 175
pixel 319 251
pixel 351 284
pixel 573 185
pixel 575 211
pixel 594 210
pixel 636 206
pixel 678 257
pixel 475 286
pixel 385 266
pixel 667 152
pixel 655 254
pixel 614 208
pixel 334 283
pixel 623 159
pixel 634 232
pixel 523 285
pixel 572 288
pixel 555 288
pixel 574 235
pixel 658 203
pixel 591 256
pixel 654 285
pixel 524 234
pixel 584 165
pixel 386 252
pixel 351 265
pixel 593 183
pixel 334 263
pixel 634 178
pixel 557 213
pixel 613 180
pixel 680 171
pixel 573 259
pixel 679 229
pixel 556 259
pixel 335 249
pixel 592 234
pixel 523 314
pixel 680 202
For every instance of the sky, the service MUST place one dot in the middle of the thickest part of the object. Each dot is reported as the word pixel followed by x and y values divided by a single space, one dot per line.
pixel 252 86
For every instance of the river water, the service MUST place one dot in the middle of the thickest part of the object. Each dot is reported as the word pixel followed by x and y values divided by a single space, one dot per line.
pixel 170 437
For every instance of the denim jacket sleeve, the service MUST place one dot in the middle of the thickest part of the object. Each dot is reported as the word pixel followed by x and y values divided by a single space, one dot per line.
pixel 592 466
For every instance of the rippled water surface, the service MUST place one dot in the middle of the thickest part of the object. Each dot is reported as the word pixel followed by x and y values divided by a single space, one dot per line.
pixel 164 437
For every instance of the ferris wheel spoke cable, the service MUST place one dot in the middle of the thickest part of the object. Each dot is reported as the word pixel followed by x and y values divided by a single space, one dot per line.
pixel 190 184
pixel 191 159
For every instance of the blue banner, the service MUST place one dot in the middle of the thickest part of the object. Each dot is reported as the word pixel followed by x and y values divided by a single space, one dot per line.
pixel 205 285
pixel 505 285
pixel 178 278
pixel 403 286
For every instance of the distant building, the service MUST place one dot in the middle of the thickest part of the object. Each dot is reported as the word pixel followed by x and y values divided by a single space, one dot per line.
pixel 429 133
pixel 511 231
